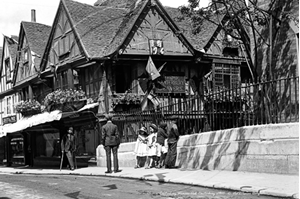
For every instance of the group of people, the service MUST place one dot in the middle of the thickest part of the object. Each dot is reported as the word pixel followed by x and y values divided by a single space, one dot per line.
pixel 156 148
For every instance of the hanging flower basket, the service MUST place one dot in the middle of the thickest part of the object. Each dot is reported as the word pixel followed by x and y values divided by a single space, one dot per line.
pixel 68 106
pixel 67 100
pixel 30 113
pixel 28 107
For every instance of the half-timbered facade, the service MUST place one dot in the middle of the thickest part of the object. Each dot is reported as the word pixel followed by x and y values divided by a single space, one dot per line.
pixel 121 54
pixel 8 96
pixel 32 40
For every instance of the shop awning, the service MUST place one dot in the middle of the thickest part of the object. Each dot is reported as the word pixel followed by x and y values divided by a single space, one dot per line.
pixel 27 122
pixel 2 132
pixel 85 108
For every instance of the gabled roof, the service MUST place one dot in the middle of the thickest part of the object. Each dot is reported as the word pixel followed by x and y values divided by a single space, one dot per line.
pixel 37 36
pixel 12 45
pixel 201 40
pixel 101 28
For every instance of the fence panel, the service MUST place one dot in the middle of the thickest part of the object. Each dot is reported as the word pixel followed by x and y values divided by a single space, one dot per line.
pixel 252 103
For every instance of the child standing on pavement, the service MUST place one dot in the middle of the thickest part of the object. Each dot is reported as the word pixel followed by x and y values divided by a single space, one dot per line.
pixel 141 147
pixel 152 149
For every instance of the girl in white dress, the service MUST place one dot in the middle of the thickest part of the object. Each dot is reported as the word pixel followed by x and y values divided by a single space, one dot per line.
pixel 141 147
pixel 152 150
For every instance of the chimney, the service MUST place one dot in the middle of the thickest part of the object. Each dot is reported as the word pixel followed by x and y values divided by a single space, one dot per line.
pixel 33 15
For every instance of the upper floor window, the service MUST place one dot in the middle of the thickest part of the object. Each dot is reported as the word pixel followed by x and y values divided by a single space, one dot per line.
pixel 25 55
pixel 8 106
pixel 8 70
pixel 226 76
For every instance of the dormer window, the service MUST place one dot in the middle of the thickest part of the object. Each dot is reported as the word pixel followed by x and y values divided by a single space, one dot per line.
pixel 8 70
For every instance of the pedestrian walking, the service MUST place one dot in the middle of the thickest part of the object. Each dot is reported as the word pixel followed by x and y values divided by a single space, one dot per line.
pixel 162 135
pixel 172 145
pixel 111 142
pixel 141 147
pixel 152 149
pixel 68 146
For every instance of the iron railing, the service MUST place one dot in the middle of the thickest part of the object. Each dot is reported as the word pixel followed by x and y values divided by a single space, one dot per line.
pixel 257 103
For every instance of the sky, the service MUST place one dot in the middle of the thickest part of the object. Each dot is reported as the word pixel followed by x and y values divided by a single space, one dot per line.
pixel 12 12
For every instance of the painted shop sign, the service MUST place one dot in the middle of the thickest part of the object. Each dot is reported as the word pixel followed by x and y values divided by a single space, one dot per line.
pixel 9 119
pixel 173 84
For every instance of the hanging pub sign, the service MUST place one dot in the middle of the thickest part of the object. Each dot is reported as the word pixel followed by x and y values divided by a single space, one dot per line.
pixel 156 47
pixel 173 83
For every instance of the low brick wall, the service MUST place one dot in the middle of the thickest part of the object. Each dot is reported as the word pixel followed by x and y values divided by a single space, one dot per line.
pixel 270 148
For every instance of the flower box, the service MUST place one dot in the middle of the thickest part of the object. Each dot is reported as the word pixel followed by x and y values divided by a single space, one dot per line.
pixel 30 113
pixel 68 106
pixel 67 100
pixel 28 107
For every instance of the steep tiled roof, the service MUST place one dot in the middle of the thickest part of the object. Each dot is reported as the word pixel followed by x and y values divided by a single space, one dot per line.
pixel 115 3
pixel 201 39
pixel 37 35
pixel 101 28
pixel 13 46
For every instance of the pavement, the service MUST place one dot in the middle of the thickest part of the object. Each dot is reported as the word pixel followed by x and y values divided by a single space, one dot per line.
pixel 283 186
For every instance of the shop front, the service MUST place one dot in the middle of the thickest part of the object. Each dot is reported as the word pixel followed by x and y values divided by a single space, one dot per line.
pixel 35 140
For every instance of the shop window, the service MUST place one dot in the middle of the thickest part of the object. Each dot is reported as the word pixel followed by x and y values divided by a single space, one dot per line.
pixel 87 141
pixel 48 144
pixel 17 150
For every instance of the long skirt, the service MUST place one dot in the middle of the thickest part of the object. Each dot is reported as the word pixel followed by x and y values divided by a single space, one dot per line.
pixel 171 155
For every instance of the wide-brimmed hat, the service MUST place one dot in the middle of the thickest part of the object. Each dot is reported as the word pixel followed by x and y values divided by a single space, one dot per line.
pixel 154 127
pixel 143 129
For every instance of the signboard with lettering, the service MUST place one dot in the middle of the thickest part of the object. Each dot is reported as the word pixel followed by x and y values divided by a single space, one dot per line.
pixel 9 120
pixel 173 83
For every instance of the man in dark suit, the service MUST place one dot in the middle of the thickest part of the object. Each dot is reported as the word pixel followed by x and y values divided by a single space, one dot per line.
pixel 111 142
pixel 68 146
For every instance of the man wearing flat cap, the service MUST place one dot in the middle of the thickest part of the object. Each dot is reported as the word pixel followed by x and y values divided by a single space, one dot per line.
pixel 68 146
pixel 111 142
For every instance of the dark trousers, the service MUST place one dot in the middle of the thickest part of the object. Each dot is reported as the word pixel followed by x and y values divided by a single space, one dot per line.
pixel 69 155
pixel 108 150
pixel 171 155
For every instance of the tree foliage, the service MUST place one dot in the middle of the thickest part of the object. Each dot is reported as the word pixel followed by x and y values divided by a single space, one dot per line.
pixel 244 21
